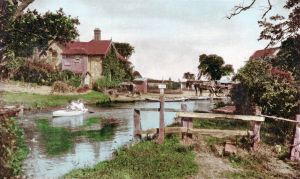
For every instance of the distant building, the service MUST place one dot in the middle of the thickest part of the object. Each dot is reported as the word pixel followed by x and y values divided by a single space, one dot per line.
pixel 265 53
pixel 86 58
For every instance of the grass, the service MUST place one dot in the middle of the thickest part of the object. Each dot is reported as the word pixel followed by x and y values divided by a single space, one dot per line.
pixel 58 140
pixel 38 101
pixel 144 160
pixel 250 166
pixel 22 149
pixel 220 124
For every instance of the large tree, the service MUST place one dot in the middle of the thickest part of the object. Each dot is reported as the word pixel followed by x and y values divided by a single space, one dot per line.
pixel 21 31
pixel 125 49
pixel 213 67
pixel 9 11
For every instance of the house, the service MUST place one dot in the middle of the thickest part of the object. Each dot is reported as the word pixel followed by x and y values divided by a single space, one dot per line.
pixel 85 58
pixel 265 53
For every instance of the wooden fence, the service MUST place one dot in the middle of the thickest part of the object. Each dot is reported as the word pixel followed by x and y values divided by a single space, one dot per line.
pixel 187 130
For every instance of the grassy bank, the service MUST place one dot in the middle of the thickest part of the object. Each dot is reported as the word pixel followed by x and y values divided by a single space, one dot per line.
pixel 13 148
pixel 22 149
pixel 58 140
pixel 37 101
pixel 144 160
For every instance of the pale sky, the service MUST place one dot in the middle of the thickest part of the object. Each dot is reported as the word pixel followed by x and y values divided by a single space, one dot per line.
pixel 168 35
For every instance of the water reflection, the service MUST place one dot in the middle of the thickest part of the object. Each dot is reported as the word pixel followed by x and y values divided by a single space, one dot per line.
pixel 89 150
pixel 68 121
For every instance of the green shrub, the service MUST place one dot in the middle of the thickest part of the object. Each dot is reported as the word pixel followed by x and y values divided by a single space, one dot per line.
pixel 13 149
pixel 262 85
pixel 43 73
pixel 105 83
pixel 272 89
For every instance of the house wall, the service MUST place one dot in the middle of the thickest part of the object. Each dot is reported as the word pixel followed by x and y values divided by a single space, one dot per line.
pixel 95 67
pixel 75 63
pixel 141 86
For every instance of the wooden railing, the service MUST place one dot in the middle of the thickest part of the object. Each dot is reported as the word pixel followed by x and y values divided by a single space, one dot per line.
pixel 187 130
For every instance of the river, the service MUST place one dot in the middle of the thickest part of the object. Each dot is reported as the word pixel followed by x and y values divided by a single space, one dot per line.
pixel 84 152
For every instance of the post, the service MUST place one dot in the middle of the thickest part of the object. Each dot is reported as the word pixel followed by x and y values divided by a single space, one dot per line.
pixel 295 148
pixel 256 131
pixel 137 123
pixel 161 134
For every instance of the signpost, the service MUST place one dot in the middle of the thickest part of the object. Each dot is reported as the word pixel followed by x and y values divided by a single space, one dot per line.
pixel 161 135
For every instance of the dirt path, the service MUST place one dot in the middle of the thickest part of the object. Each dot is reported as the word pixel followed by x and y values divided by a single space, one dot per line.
pixel 211 166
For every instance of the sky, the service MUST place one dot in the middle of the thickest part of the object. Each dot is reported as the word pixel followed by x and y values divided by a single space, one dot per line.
pixel 169 35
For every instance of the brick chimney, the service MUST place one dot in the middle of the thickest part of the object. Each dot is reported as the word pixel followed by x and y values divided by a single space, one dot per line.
pixel 97 34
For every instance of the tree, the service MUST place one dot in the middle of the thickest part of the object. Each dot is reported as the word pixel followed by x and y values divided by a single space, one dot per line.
pixel 263 85
pixel 9 11
pixel 278 28
pixel 19 36
pixel 49 28
pixel 125 49
pixel 189 76
pixel 213 67
pixel 288 58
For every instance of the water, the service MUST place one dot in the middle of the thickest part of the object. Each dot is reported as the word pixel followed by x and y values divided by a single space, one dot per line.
pixel 85 152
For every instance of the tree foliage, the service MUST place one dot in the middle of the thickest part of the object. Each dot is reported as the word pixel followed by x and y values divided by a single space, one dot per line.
pixel 125 49
pixel 189 76
pixel 48 28
pixel 288 58
pixel 22 32
pixel 213 66
pixel 265 86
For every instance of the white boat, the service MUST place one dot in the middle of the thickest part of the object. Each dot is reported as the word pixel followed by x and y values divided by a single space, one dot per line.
pixel 74 109
pixel 69 113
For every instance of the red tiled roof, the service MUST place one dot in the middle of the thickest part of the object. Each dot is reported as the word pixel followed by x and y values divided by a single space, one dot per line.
pixel 92 47
pixel 264 53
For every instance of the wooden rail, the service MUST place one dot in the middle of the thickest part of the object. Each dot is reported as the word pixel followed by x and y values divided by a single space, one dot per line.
pixel 187 130
pixel 219 116
pixel 211 132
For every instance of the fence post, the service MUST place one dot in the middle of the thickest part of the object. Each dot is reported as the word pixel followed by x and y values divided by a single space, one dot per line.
pixel 295 149
pixel 186 122
pixel 137 123
pixel 256 131
pixel 161 134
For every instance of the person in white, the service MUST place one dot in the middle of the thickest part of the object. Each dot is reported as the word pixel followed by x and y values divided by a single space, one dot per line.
pixel 77 106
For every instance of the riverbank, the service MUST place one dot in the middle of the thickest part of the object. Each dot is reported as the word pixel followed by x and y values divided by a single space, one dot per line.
pixel 185 96
pixel 145 160
pixel 32 101
pixel 12 146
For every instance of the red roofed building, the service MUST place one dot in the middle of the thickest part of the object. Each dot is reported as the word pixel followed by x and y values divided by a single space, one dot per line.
pixel 86 58
pixel 264 53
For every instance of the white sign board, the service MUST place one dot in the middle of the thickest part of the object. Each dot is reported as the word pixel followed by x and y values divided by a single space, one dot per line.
pixel 162 86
